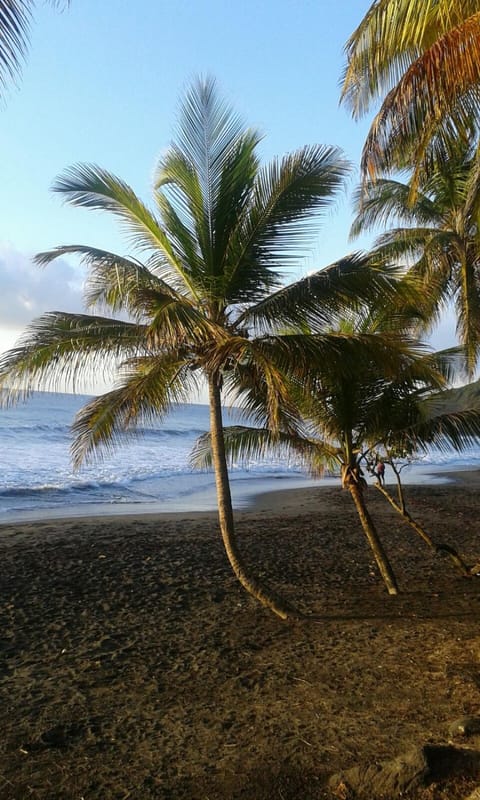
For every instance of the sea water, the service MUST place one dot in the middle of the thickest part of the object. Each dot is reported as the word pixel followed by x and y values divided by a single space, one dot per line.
pixel 151 468
pixel 147 472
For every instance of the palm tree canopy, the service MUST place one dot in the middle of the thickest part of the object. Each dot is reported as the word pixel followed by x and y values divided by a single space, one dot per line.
pixel 15 20
pixel 422 61
pixel 437 234
pixel 202 291
pixel 361 410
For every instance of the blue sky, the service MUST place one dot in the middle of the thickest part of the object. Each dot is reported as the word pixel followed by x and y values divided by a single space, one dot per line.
pixel 102 83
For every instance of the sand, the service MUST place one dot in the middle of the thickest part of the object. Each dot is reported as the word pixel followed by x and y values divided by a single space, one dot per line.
pixel 133 665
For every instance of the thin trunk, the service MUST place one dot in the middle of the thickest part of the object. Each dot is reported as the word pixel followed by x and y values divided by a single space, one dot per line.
pixel 370 532
pixel 225 513
pixel 439 548
pixel 401 496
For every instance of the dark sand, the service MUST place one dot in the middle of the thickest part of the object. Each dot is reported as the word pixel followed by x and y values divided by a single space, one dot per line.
pixel 133 665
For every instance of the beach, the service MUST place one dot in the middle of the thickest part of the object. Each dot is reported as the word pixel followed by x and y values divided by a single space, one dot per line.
pixel 135 666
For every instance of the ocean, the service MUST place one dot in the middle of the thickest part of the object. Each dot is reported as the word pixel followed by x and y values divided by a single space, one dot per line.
pixel 148 473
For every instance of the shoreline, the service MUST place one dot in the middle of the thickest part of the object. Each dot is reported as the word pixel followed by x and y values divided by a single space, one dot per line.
pixel 267 501
pixel 248 496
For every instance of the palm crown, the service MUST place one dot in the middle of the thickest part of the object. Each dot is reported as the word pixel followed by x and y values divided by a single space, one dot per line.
pixel 436 234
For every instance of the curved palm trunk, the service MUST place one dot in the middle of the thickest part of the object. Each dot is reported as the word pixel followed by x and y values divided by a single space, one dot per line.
pixel 225 513
pixel 439 548
pixel 370 532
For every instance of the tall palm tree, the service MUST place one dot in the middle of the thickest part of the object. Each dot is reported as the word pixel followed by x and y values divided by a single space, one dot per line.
pixel 421 59
pixel 437 235
pixel 15 20
pixel 393 396
pixel 201 300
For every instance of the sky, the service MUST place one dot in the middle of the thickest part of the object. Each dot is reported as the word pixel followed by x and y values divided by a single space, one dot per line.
pixel 102 83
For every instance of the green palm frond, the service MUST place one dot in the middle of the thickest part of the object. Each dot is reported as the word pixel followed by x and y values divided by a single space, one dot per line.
pixel 150 387
pixel 447 419
pixel 90 186
pixel 247 444
pixel 73 348
pixel 202 230
pixel 287 197
pixel 437 239
pixel 208 131
pixel 319 299
pixel 381 202
pixel 204 182
pixel 114 282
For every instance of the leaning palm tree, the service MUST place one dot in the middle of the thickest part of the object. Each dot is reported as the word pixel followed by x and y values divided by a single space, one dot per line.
pixel 421 59
pixel 437 234
pixel 200 297
pixel 344 414
pixel 15 21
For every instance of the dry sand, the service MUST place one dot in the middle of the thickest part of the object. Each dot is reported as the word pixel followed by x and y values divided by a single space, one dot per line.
pixel 134 666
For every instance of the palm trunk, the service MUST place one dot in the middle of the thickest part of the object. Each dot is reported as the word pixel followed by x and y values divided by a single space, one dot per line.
pixel 370 532
pixel 225 512
pixel 445 549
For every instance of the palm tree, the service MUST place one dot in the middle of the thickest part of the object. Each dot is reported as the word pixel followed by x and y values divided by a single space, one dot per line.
pixel 437 234
pixel 421 59
pixel 201 300
pixel 393 396
pixel 15 20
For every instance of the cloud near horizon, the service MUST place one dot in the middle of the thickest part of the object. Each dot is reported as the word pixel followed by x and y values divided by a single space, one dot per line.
pixel 29 291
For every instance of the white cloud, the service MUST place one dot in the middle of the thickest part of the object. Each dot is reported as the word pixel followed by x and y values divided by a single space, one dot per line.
pixel 26 291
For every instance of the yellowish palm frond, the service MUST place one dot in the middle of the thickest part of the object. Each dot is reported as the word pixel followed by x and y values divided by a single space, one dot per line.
pixel 389 39
pixel 434 101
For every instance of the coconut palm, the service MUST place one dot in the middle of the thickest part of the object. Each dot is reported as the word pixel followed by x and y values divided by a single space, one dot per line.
pixel 15 19
pixel 421 59
pixel 437 234
pixel 200 301
pixel 395 396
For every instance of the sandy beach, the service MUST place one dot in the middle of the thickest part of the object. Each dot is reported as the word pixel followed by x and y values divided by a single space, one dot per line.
pixel 133 665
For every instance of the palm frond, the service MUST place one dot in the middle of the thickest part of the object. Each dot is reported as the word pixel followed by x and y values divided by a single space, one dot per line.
pixel 319 299
pixel 203 239
pixel 288 196
pixel 247 444
pixel 208 131
pixel 436 97
pixel 448 419
pixel 150 386
pixel 114 282
pixel 15 20
pixel 276 230
pixel 90 186
pixel 387 41
pixel 59 348
pixel 379 203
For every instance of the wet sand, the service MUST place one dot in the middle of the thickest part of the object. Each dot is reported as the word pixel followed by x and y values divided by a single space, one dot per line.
pixel 133 665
